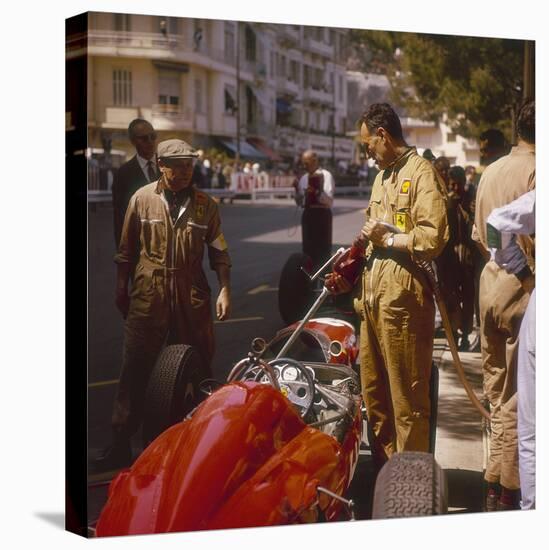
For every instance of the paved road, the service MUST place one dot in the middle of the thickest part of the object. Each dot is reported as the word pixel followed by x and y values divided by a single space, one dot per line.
pixel 261 237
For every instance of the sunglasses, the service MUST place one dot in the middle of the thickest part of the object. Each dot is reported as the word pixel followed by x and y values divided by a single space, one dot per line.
pixel 147 137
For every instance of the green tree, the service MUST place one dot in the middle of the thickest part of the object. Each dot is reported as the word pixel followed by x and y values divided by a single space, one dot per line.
pixel 476 82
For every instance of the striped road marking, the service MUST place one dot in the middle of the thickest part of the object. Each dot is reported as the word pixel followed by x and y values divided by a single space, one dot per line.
pixel 236 320
pixel 262 288
pixel 239 320
pixel 104 383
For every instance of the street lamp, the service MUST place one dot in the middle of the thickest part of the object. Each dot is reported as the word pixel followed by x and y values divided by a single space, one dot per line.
pixel 237 156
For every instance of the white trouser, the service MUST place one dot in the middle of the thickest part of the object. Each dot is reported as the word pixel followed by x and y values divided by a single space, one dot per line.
pixel 526 395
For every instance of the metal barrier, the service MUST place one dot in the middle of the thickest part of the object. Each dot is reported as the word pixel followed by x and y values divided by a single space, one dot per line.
pixel 95 196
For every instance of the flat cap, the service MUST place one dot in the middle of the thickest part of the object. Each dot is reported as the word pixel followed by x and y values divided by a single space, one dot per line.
pixel 175 149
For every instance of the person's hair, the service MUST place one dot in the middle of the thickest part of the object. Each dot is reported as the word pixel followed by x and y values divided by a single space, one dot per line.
pixel 494 137
pixel 526 121
pixel 442 160
pixel 470 168
pixel 309 153
pixel 382 115
pixel 457 173
pixel 428 154
pixel 136 122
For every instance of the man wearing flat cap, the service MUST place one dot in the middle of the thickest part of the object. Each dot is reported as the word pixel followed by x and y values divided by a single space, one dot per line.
pixel 167 227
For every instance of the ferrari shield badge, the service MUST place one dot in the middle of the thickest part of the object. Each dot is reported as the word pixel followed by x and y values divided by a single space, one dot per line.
pixel 405 187
pixel 400 221
pixel 200 211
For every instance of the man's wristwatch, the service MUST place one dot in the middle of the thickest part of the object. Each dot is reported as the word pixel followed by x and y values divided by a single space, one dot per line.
pixel 390 240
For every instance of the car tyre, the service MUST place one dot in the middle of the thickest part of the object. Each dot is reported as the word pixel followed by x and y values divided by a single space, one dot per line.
pixel 173 389
pixel 410 484
pixel 295 292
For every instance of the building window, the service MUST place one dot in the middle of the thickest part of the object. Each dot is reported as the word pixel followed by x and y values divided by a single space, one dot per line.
pixel 122 87
pixel 168 25
pixel 306 76
pixel 229 43
pixel 250 43
pixel 280 65
pixel 306 120
pixel 230 100
pixel 273 66
pixel 450 137
pixel 121 22
pixel 340 94
pixel 198 94
pixel 198 35
pixel 294 72
pixel 169 90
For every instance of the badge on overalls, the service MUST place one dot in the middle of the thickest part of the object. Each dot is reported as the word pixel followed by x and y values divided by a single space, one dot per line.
pixel 405 187
pixel 400 221
pixel 201 201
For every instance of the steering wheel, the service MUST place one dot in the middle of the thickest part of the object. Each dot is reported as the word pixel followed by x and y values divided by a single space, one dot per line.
pixel 248 369
pixel 296 383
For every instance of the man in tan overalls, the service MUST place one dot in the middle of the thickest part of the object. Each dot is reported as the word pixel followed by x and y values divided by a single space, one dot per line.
pixel 503 301
pixel 394 302
pixel 167 226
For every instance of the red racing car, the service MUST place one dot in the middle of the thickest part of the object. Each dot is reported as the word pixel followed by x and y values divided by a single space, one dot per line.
pixel 277 444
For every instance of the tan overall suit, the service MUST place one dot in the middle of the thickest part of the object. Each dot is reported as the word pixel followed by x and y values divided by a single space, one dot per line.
pixel 502 306
pixel 397 307
pixel 170 296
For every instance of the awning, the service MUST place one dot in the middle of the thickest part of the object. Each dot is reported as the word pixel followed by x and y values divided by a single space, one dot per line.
pixel 246 150
pixel 260 145
pixel 171 66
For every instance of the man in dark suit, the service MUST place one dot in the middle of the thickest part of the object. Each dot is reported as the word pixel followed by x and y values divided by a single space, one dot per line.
pixel 134 174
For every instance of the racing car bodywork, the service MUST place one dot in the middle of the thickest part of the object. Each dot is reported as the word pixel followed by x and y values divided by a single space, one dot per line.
pixel 251 455
pixel 278 444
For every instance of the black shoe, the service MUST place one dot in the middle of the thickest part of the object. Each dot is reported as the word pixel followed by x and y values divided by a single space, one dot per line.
pixel 475 346
pixel 492 500
pixel 114 457
pixel 464 344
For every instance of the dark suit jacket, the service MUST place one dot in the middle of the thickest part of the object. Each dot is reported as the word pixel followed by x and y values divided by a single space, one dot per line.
pixel 126 182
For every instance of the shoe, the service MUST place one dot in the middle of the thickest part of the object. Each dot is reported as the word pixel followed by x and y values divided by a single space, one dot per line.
pixel 503 506
pixel 475 346
pixel 509 499
pixel 464 344
pixel 492 500
pixel 114 457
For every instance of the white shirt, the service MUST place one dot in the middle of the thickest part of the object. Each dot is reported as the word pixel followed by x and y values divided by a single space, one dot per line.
pixel 144 162
pixel 326 197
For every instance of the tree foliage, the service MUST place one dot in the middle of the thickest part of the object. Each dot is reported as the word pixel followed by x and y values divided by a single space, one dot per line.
pixel 476 82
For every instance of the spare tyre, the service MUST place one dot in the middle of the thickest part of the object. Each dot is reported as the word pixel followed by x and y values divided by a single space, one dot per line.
pixel 173 389
pixel 295 293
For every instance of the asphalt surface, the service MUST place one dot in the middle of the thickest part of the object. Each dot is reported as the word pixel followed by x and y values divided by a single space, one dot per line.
pixel 261 237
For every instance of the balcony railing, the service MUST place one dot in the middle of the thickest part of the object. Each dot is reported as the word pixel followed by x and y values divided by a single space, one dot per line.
pixel 288 36
pixel 319 95
pixel 320 48
pixel 120 116
pixel 171 117
pixel 146 40
pixel 283 84
pixel 158 41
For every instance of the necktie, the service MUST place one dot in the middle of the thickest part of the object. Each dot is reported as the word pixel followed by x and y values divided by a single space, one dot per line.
pixel 151 171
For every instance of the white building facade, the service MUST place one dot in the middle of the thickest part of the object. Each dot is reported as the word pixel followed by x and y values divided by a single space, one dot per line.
pixel 364 89
pixel 182 75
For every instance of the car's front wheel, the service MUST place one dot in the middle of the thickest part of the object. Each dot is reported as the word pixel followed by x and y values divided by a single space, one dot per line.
pixel 173 389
